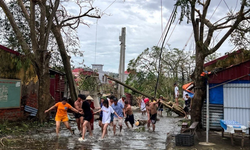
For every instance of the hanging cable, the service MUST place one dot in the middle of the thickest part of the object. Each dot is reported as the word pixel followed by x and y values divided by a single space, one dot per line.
pixel 161 19
pixel 159 65
pixel 170 34
pixel 96 38
pixel 166 27
pixel 209 19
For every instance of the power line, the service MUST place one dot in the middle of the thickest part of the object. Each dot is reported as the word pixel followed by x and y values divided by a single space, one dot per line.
pixel 96 38
pixel 159 65
pixel 166 27
pixel 108 7
pixel 161 18
pixel 209 19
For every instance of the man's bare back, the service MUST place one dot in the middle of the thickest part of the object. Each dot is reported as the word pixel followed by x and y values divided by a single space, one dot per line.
pixel 128 110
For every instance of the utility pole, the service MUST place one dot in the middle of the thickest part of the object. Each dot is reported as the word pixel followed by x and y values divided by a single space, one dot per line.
pixel 122 61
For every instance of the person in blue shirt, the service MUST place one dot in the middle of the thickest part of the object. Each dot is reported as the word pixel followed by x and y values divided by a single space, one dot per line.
pixel 119 109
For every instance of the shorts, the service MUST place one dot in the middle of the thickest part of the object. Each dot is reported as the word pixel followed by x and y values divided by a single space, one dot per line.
pixel 112 117
pixel 130 118
pixel 100 118
pixel 62 118
pixel 88 117
pixel 77 115
pixel 186 109
pixel 160 109
pixel 117 121
pixel 153 118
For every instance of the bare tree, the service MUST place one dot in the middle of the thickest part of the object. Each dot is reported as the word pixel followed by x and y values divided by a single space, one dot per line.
pixel 64 19
pixel 203 30
pixel 37 52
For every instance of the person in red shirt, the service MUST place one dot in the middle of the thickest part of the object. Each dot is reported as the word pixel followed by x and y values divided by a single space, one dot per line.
pixel 62 115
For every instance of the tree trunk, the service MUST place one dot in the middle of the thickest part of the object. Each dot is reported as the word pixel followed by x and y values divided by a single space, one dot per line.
pixel 200 88
pixel 66 62
pixel 42 70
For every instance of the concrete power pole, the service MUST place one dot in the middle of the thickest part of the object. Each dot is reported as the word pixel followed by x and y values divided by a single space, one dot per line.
pixel 122 61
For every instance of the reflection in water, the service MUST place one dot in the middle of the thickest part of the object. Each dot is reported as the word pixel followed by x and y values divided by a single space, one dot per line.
pixel 130 139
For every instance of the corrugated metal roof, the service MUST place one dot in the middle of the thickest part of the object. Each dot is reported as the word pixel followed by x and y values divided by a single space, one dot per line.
pixel 231 73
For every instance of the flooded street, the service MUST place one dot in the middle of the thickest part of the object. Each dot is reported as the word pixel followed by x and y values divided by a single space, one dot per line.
pixel 129 139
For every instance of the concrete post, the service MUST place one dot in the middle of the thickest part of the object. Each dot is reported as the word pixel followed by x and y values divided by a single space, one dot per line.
pixel 122 61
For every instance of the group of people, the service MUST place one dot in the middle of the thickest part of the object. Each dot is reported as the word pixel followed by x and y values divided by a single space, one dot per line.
pixel 111 113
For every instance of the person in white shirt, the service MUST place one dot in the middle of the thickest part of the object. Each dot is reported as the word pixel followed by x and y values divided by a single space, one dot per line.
pixel 176 93
pixel 143 106
pixel 122 100
pixel 106 116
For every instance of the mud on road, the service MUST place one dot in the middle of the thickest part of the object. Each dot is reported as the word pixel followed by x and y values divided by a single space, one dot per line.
pixel 45 138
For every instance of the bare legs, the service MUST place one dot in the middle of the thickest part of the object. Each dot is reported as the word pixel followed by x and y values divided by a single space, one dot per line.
pixel 68 126
pixel 104 130
pixel 114 128
pixel 126 122
pixel 57 127
pixel 86 125
pixel 149 121
pixel 79 122
pixel 66 123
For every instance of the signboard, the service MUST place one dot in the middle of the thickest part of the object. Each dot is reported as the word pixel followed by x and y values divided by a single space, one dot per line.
pixel 10 93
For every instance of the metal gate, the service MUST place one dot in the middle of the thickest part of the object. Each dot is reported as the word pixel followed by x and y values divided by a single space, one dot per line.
pixel 237 102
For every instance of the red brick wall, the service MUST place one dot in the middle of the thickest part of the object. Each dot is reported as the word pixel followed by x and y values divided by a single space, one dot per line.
pixel 32 100
pixel 11 114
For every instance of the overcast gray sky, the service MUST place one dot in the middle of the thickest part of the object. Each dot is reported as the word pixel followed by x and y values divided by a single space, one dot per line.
pixel 142 19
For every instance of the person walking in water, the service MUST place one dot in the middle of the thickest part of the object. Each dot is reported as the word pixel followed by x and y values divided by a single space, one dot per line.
pixel 122 100
pixel 129 116
pixel 142 106
pixel 87 117
pixel 160 106
pixel 151 112
pixel 78 116
pixel 119 109
pixel 62 115
pixel 101 113
pixel 106 116
pixel 92 107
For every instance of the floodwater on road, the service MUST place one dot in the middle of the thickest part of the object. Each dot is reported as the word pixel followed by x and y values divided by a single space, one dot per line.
pixel 128 139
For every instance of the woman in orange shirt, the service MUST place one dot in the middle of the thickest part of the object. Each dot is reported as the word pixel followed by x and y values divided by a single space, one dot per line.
pixel 61 114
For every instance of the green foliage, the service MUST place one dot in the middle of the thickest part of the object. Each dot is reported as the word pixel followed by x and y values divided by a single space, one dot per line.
pixel 185 9
pixel 20 127
pixel 176 66
pixel 88 82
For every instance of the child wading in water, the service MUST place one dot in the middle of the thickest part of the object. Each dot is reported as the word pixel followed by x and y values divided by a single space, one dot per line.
pixel 106 116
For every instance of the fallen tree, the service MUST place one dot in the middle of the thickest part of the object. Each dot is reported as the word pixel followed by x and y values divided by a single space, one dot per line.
pixel 177 109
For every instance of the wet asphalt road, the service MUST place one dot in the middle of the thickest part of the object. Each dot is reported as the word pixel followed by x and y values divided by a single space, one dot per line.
pixel 129 139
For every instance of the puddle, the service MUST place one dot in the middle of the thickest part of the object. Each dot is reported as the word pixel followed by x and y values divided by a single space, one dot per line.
pixel 130 139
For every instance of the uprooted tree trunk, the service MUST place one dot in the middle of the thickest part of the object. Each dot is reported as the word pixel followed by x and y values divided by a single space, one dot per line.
pixel 175 108
pixel 66 62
